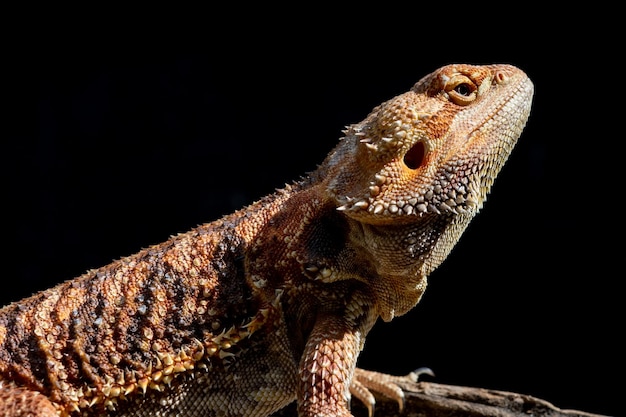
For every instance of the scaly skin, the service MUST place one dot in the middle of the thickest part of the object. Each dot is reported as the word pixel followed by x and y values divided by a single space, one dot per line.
pixel 271 304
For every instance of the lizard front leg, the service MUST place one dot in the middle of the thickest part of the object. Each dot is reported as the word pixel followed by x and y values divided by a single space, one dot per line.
pixel 328 372
pixel 327 367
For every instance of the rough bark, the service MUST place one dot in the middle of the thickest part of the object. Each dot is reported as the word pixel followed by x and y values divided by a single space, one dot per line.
pixel 438 400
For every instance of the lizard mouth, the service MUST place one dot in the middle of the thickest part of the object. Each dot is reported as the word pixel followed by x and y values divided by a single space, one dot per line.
pixel 414 158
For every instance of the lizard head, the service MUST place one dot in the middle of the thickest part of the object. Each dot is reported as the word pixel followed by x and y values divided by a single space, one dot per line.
pixel 434 150
pixel 413 174
pixel 410 177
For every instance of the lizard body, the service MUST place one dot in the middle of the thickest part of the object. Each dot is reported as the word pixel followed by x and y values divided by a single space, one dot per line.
pixel 272 304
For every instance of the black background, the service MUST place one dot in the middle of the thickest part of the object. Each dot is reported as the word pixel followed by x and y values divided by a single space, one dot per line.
pixel 118 137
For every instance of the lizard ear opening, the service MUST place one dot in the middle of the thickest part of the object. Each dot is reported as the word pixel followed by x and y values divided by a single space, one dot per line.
pixel 414 158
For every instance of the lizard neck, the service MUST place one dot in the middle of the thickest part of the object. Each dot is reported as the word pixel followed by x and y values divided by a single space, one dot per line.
pixel 403 256
pixel 311 243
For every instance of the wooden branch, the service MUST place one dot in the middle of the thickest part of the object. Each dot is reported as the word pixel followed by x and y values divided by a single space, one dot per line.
pixel 438 400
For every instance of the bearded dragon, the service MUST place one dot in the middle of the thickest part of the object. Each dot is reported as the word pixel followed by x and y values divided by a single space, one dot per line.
pixel 272 303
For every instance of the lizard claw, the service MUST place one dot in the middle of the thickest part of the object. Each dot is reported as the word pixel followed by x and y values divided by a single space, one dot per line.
pixel 414 376
pixel 390 386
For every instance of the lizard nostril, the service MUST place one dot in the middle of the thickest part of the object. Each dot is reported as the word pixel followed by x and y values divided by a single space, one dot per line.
pixel 414 158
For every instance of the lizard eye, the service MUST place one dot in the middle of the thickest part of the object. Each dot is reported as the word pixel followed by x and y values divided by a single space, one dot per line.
pixel 461 90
